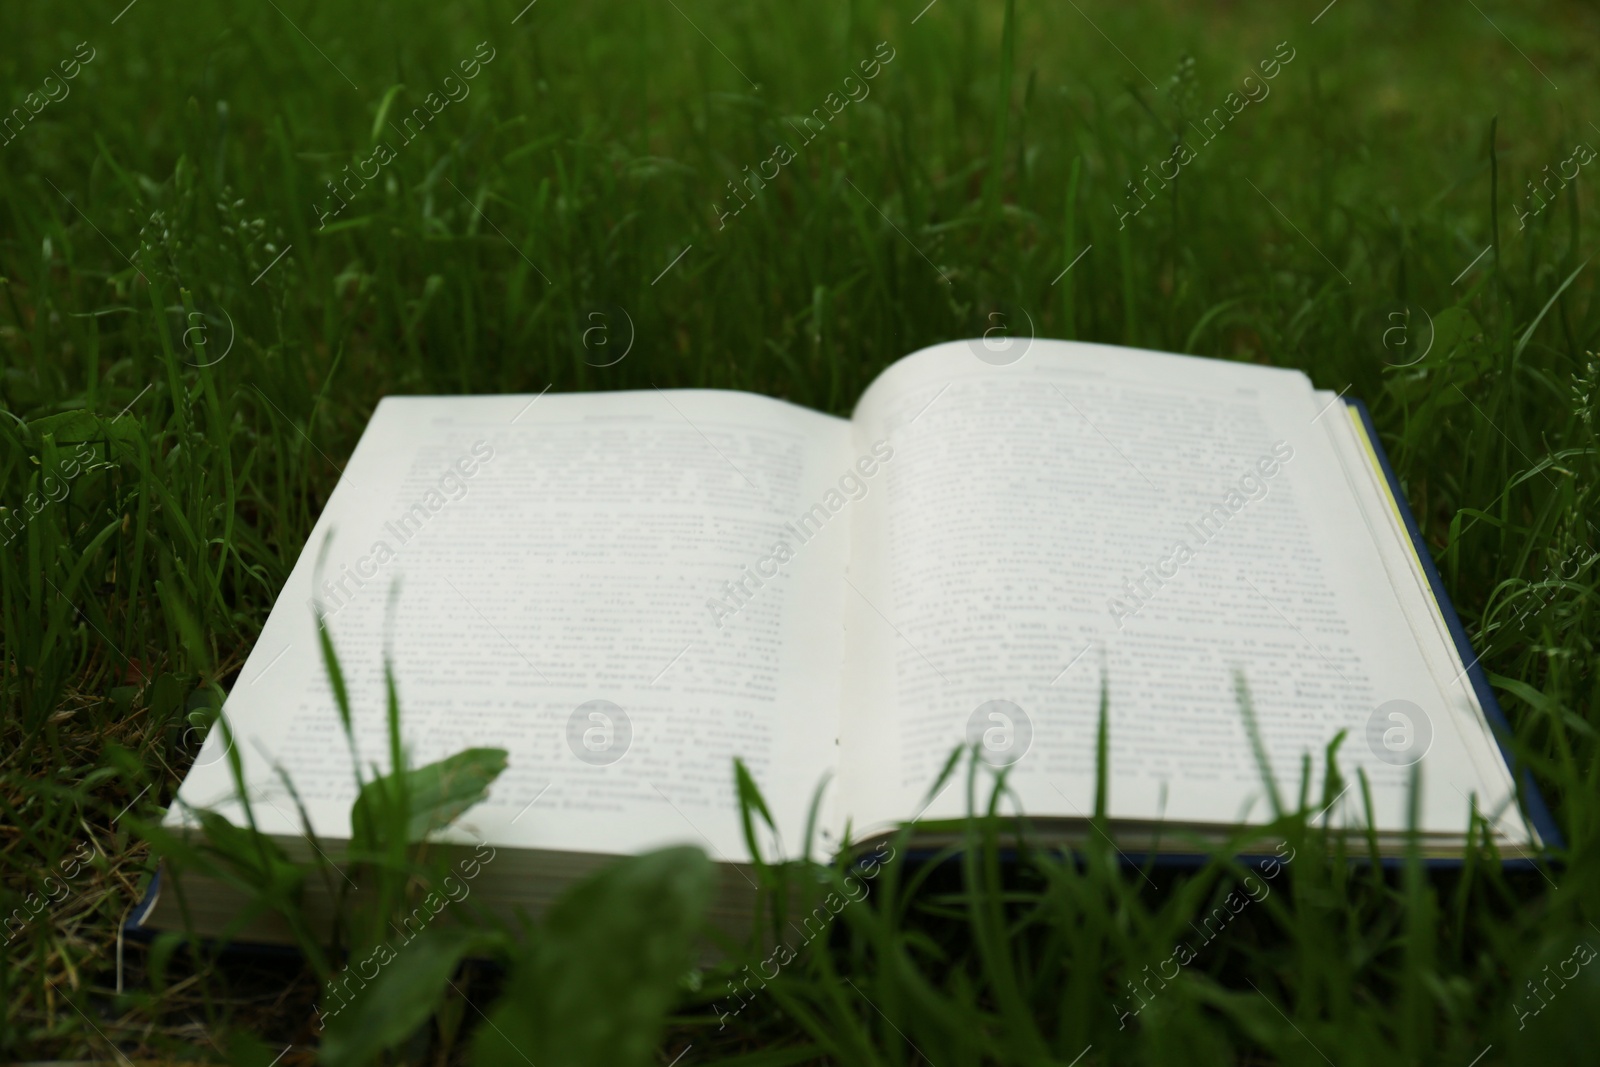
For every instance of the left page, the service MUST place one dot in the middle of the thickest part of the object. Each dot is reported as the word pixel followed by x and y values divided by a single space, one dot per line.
pixel 612 587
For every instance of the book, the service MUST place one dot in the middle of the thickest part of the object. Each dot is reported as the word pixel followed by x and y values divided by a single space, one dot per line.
pixel 628 590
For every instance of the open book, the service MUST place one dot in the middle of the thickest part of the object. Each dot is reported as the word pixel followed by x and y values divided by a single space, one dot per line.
pixel 628 590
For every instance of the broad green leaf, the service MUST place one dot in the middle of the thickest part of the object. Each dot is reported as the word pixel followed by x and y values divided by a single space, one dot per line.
pixel 436 794
pixel 253 855
pixel 597 982
pixel 71 427
pixel 68 427
pixel 1452 328
pixel 1557 1001
pixel 388 991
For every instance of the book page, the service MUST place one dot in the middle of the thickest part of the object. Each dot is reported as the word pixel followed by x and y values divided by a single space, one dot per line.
pixel 1091 515
pixel 1409 582
pixel 624 590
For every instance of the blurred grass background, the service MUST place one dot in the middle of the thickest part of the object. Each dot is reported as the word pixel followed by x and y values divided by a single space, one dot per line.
pixel 189 357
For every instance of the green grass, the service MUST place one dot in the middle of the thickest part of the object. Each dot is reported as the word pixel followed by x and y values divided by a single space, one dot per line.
pixel 204 391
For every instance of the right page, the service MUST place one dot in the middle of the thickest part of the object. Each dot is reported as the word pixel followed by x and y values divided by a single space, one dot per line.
pixel 1162 525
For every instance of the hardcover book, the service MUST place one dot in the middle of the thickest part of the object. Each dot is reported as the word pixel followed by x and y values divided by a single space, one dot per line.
pixel 627 590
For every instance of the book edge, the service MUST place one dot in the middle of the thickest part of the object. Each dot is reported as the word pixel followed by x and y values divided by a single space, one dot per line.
pixel 1534 808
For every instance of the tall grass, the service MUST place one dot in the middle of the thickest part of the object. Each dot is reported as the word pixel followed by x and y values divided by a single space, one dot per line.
pixel 181 336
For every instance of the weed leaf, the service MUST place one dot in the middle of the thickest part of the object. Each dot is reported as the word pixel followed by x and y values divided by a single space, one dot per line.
pixel 596 984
